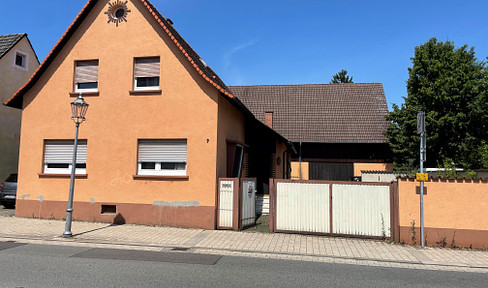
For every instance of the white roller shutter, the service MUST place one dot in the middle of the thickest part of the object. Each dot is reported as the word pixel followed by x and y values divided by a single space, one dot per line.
pixel 86 71
pixel 61 151
pixel 146 67
pixel 173 151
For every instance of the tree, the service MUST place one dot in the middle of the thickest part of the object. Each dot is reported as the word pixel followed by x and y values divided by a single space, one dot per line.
pixel 341 77
pixel 451 86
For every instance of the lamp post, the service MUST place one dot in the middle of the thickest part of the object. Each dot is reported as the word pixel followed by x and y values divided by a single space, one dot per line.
pixel 78 110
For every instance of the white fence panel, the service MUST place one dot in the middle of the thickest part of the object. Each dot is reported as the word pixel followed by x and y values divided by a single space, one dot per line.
pixel 226 203
pixel 361 210
pixel 248 212
pixel 302 207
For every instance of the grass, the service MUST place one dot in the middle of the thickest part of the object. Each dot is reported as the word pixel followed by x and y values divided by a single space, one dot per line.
pixel 262 225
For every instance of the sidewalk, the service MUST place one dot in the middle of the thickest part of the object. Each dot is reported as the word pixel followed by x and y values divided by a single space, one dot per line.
pixel 246 244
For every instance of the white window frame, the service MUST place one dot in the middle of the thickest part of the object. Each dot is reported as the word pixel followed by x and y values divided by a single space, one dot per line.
pixel 85 89
pixel 25 60
pixel 146 88
pixel 67 170
pixel 78 171
pixel 76 89
pixel 158 171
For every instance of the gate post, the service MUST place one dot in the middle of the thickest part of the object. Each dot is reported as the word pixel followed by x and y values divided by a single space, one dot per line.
pixel 236 204
pixel 395 212
pixel 272 201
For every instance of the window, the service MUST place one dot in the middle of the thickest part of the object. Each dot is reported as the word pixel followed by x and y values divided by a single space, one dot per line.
pixel 86 76
pixel 58 156
pixel 162 157
pixel 146 73
pixel 21 59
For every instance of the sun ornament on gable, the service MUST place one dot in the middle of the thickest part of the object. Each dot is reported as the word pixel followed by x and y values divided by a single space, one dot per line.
pixel 117 12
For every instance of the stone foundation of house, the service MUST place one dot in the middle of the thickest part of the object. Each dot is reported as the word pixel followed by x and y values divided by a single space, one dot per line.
pixel 121 213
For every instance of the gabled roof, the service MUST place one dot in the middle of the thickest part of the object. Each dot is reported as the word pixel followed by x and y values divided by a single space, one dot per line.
pixel 200 66
pixel 7 42
pixel 321 113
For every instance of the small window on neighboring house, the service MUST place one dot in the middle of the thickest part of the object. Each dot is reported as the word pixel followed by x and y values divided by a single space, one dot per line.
pixel 86 76
pixel 146 73
pixel 20 59
pixel 58 156
pixel 162 157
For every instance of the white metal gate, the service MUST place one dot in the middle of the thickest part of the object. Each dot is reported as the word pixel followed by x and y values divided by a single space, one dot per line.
pixel 248 203
pixel 226 203
pixel 302 207
pixel 361 210
pixel 328 207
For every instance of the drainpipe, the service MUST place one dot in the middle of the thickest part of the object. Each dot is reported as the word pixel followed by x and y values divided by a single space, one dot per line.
pixel 300 161
pixel 285 164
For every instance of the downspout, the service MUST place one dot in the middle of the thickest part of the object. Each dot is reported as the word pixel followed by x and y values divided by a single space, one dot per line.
pixel 285 164
pixel 300 161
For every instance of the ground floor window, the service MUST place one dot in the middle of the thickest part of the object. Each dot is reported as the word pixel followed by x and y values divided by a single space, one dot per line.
pixel 162 157
pixel 58 156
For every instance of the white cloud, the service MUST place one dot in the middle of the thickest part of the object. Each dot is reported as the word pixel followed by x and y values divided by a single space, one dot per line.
pixel 228 55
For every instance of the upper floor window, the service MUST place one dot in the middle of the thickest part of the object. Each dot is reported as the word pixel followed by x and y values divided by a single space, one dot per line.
pixel 21 59
pixel 58 156
pixel 86 76
pixel 162 157
pixel 146 73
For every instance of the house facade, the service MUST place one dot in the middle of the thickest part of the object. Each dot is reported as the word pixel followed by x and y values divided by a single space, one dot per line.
pixel 337 129
pixel 17 63
pixel 161 128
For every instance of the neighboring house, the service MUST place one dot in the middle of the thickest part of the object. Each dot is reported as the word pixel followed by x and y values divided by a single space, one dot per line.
pixel 161 128
pixel 338 129
pixel 17 63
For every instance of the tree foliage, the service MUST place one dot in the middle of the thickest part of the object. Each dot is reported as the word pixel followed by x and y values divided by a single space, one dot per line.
pixel 341 77
pixel 450 85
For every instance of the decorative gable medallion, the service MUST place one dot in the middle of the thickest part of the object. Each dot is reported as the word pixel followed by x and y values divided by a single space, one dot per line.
pixel 117 12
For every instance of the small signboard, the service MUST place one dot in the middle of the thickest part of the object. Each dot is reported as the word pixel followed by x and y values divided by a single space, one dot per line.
pixel 422 176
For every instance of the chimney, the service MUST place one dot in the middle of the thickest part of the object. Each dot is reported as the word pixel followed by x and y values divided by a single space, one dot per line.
pixel 268 119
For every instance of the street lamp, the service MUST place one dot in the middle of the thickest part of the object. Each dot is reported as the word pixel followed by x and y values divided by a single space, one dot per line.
pixel 78 110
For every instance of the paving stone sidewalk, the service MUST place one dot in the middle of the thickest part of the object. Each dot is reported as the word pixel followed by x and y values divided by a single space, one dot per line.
pixel 247 244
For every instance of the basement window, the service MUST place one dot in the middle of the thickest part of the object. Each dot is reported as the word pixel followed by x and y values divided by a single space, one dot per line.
pixel 108 209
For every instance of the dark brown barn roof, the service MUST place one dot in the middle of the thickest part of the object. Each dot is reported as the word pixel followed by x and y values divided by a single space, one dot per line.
pixel 323 113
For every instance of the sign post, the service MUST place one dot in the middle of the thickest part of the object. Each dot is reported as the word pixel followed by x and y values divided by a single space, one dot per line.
pixel 423 140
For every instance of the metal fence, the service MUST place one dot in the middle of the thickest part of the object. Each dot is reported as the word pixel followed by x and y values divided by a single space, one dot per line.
pixel 237 203
pixel 334 208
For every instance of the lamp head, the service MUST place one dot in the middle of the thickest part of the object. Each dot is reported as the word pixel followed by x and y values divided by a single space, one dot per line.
pixel 78 110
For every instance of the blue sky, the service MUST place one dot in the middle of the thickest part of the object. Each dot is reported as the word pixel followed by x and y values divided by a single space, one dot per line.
pixel 259 42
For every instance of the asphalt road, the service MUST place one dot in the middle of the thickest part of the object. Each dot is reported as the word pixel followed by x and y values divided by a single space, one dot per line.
pixel 59 266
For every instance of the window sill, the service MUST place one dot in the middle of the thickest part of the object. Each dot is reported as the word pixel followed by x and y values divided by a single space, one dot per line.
pixel 84 94
pixel 49 175
pixel 161 177
pixel 145 92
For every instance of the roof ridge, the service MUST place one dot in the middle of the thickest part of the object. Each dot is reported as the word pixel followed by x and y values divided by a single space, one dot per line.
pixel 13 34
pixel 314 84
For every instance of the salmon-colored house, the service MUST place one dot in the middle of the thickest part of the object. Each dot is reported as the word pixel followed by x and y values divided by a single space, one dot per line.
pixel 161 127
